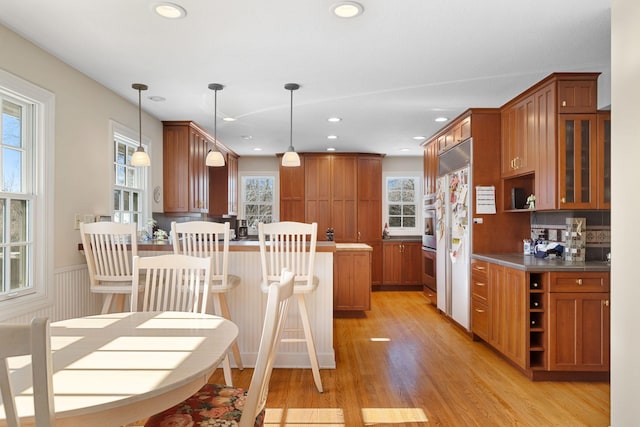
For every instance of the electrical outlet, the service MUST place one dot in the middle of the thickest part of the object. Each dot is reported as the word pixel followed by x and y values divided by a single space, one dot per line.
pixel 76 221
pixel 88 218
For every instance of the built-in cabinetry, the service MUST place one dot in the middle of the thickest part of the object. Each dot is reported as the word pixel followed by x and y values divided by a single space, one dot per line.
pixel 455 134
pixel 429 273
pixel 401 262
pixel 352 277
pixel 430 165
pixel 338 191
pixel 223 186
pixel 551 324
pixel 188 187
pixel 579 321
pixel 551 143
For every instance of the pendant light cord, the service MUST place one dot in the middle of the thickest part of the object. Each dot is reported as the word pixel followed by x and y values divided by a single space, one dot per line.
pixel 215 118
pixel 291 121
pixel 140 114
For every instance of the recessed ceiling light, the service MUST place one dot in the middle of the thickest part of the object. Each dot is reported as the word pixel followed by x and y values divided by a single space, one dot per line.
pixel 331 149
pixel 170 10
pixel 156 98
pixel 347 9
pixel 246 137
pixel 332 137
pixel 334 119
pixel 418 138
pixel 228 119
pixel 404 149
pixel 257 149
pixel 441 119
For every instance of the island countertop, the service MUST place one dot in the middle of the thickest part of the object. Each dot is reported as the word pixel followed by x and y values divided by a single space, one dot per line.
pixel 531 263
pixel 250 245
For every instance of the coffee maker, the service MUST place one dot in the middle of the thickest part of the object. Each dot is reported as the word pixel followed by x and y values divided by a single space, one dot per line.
pixel 243 231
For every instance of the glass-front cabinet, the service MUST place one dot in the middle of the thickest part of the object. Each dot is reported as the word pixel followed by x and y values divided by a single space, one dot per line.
pixel 577 161
pixel 604 159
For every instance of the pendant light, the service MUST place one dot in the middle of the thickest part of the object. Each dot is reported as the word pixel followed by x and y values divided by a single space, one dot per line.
pixel 291 158
pixel 214 157
pixel 140 157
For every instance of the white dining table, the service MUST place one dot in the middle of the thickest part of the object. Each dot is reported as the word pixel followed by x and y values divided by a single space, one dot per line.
pixel 114 369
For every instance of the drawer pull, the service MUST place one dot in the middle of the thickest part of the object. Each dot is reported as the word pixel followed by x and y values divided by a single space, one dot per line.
pixel 479 310
pixel 480 284
pixel 480 267
pixel 579 282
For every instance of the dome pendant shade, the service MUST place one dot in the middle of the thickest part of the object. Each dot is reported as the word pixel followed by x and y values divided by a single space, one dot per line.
pixel 215 157
pixel 291 158
pixel 140 157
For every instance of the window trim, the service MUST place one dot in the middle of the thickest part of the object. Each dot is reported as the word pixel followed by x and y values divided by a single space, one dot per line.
pixel 408 231
pixel 276 193
pixel 118 128
pixel 42 181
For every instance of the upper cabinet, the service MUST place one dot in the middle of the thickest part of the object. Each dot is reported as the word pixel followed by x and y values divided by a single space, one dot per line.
pixel 430 167
pixel 186 178
pixel 223 186
pixel 551 145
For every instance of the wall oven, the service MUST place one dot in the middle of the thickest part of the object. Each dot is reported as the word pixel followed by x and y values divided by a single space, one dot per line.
pixel 429 221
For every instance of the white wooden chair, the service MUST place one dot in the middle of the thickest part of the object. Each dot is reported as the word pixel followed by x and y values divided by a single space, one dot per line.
pixel 23 340
pixel 109 260
pixel 211 239
pixel 237 406
pixel 292 245
pixel 171 283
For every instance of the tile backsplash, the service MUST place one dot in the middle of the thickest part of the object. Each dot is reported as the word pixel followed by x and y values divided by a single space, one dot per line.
pixel 552 225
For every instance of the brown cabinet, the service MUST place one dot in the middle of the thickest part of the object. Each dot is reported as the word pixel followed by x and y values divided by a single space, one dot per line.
pixel 579 329
pixel 185 175
pixel 554 124
pixel 369 207
pixel 292 192
pixel 507 312
pixel 401 263
pixel 223 187
pixel 430 167
pixel 603 156
pixel 480 299
pixel 458 132
pixel 351 278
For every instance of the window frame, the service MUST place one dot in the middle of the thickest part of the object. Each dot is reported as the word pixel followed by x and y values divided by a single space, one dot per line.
pixel 131 137
pixel 403 231
pixel 40 179
pixel 276 195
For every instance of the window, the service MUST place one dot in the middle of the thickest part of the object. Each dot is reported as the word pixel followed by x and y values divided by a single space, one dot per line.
pixel 129 182
pixel 258 197
pixel 402 204
pixel 26 183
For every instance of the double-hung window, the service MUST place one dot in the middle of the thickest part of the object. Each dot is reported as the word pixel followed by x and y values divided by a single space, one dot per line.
pixel 258 198
pixel 26 184
pixel 402 204
pixel 130 182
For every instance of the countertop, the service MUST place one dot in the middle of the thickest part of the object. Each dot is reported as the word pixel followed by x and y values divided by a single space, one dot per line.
pixel 403 239
pixel 531 263
pixel 234 246
pixel 351 247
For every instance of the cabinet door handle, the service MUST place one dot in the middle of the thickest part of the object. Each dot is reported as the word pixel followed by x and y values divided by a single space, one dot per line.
pixel 579 282
pixel 563 200
pixel 606 303
pixel 480 267
pixel 480 284
pixel 479 310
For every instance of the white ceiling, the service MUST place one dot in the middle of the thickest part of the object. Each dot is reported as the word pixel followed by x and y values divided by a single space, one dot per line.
pixel 387 73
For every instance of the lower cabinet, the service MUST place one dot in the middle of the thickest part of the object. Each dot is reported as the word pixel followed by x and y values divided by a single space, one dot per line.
pixel 553 325
pixel 579 334
pixel 507 316
pixel 401 263
pixel 352 277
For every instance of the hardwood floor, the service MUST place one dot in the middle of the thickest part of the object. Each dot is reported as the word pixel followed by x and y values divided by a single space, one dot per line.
pixel 403 358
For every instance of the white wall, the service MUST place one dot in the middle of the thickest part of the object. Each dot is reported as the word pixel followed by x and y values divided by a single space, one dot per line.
pixel 625 229
pixel 82 138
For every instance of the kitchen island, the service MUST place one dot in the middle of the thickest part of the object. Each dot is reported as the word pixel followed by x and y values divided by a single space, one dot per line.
pixel 548 317
pixel 247 303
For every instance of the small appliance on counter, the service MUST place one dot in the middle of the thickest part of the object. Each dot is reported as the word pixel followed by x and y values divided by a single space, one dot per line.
pixel 243 231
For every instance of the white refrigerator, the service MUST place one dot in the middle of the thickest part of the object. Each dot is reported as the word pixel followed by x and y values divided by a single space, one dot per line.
pixel 453 220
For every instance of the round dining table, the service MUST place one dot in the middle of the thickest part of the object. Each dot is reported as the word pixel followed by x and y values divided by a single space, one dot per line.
pixel 114 369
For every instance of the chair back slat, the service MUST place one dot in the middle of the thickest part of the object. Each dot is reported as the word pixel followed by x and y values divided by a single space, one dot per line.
pixel 290 245
pixel 34 340
pixel 171 283
pixel 204 239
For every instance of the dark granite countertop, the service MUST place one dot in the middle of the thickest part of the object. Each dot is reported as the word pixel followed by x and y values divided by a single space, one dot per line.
pixel 403 239
pixel 531 263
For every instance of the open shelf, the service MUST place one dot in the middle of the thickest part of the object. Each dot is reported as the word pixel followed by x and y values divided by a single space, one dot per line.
pixel 536 300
